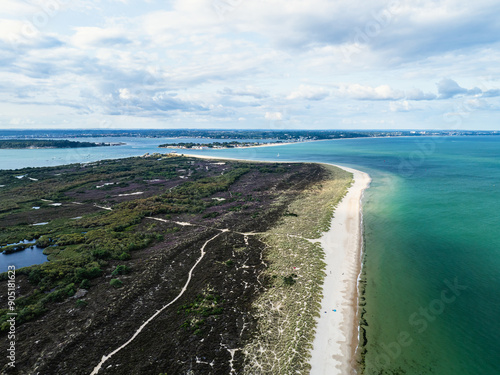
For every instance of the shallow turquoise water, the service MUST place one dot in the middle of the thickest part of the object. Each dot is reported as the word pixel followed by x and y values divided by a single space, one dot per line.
pixel 432 248
pixel 431 220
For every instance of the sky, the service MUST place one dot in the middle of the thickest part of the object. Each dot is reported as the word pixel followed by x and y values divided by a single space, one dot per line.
pixel 250 64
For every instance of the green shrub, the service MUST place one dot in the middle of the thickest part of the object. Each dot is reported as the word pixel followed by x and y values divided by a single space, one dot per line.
pixel 101 254
pixel 60 294
pixel 43 242
pixel 115 283
pixel 121 270
pixel 35 276
pixel 211 215
pixel 70 290
pixel 86 273
pixel 289 280
pixel 85 284
pixel 81 303
pixel 124 256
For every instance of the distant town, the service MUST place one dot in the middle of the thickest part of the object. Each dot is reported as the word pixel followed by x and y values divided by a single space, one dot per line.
pixel 216 145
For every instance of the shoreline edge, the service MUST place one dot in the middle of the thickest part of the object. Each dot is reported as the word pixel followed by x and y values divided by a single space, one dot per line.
pixel 337 329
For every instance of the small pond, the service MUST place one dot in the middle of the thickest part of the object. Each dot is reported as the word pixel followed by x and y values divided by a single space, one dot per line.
pixel 24 258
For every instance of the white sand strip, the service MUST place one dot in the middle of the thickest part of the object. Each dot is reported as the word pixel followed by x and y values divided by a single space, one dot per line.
pixel 184 224
pixel 126 195
pixel 104 208
pixel 337 331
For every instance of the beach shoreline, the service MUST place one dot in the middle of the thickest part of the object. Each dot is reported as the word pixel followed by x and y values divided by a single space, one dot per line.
pixel 337 329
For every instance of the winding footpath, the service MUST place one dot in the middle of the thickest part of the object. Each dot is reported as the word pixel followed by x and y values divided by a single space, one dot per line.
pixel 106 357
pixel 141 328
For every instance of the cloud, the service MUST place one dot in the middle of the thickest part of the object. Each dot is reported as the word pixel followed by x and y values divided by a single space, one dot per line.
pixel 125 94
pixel 476 104
pixel 184 59
pixel 396 32
pixel 491 93
pixel 448 88
pixel 417 94
pixel 15 7
pixel 309 93
pixel 273 116
pixel 247 91
pixel 21 36
pixel 124 102
pixel 99 37
pixel 400 106
pixel 360 92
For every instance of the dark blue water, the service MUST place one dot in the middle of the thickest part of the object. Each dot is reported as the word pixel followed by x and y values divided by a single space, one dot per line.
pixel 23 258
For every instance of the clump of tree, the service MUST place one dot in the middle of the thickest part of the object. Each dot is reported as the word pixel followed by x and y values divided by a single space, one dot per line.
pixel 204 307
pixel 46 143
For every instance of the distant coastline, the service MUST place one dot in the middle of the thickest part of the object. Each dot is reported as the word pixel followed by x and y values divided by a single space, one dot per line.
pixel 20 144
pixel 285 135
pixel 222 145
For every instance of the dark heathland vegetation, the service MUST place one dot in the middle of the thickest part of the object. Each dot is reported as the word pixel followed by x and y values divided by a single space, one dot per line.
pixel 119 249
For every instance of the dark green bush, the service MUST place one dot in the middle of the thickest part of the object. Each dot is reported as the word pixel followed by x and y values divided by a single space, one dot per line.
pixel 81 303
pixel 121 270
pixel 124 256
pixel 211 215
pixel 289 280
pixel 115 283
pixel 85 284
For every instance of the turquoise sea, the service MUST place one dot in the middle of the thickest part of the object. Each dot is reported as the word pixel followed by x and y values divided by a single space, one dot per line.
pixel 432 247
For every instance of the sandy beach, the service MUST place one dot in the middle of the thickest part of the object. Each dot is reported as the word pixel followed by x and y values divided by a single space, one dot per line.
pixel 337 328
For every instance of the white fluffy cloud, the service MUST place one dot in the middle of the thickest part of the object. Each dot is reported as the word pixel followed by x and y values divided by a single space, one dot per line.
pixel 400 106
pixel 273 116
pixel 382 92
pixel 448 88
pixel 309 93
